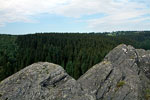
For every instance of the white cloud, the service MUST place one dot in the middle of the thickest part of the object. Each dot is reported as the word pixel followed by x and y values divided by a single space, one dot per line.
pixel 119 13
pixel 127 16
pixel 22 10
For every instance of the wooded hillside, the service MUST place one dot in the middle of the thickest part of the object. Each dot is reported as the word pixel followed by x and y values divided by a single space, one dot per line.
pixel 76 52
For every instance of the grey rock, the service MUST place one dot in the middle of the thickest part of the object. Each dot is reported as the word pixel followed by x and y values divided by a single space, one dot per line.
pixel 42 81
pixel 144 61
pixel 124 74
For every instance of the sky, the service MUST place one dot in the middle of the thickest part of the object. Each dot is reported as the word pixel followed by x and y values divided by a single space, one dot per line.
pixel 30 16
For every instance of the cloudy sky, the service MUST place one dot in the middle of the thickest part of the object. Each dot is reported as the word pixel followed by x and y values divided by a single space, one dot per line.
pixel 30 16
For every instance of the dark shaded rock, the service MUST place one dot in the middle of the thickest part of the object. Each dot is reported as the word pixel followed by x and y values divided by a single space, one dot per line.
pixel 144 61
pixel 124 74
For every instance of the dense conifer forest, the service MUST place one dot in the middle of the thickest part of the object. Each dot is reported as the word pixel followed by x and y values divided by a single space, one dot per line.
pixel 75 52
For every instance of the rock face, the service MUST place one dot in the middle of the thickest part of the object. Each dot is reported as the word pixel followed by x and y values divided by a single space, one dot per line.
pixel 42 81
pixel 124 74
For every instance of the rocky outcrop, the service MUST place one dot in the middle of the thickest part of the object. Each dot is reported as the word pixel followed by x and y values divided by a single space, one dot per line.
pixel 42 81
pixel 124 74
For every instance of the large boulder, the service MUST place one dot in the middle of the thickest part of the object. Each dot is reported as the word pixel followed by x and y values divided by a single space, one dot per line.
pixel 124 74
pixel 42 81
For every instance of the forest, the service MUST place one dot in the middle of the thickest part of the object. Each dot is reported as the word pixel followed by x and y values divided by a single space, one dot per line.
pixel 75 52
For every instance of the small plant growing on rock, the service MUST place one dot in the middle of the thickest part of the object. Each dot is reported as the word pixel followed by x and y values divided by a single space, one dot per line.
pixel 120 84
pixel 132 57
pixel 147 96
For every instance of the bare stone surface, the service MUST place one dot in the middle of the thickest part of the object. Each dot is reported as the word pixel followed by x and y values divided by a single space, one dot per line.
pixel 124 74
pixel 42 81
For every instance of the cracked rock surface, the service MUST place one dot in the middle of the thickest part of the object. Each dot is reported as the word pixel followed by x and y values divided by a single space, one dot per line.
pixel 42 81
pixel 124 74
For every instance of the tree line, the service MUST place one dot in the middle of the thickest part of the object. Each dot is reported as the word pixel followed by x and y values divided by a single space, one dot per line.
pixel 75 52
